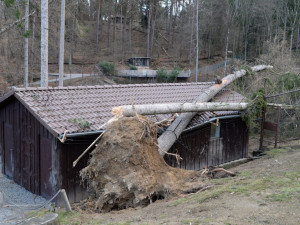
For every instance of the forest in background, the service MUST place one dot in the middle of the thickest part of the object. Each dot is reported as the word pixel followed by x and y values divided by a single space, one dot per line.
pixel 114 30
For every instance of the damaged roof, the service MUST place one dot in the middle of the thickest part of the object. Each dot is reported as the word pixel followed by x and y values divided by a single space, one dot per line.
pixel 85 108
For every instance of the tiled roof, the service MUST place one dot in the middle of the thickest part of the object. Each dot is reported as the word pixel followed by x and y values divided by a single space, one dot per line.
pixel 58 107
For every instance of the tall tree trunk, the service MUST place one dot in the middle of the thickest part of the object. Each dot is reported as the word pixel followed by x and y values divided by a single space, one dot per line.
pixel 130 28
pixel 32 41
pixel 121 28
pixel 292 32
pixel 109 23
pixel 73 20
pixel 114 32
pixel 154 109
pixel 197 39
pixel 97 27
pixel 62 44
pixel 44 43
pixel 170 25
pixel 191 36
pixel 153 24
pixel 297 42
pixel 26 44
pixel 149 28
pixel 125 12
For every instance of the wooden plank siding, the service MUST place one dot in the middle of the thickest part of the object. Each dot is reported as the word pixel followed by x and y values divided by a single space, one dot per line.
pixel 26 148
pixel 198 149
pixel 71 180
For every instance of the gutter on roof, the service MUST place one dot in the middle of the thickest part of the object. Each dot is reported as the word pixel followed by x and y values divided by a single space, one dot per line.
pixel 72 135
pixel 211 120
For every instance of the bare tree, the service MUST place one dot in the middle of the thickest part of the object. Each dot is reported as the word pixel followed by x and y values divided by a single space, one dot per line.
pixel 44 43
pixel 26 34
pixel 62 44
pixel 197 38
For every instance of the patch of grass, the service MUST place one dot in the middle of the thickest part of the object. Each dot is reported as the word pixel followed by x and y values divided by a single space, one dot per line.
pixel 282 186
pixel 278 151
pixel 71 218
pixel 38 214
pixel 74 218
pixel 127 222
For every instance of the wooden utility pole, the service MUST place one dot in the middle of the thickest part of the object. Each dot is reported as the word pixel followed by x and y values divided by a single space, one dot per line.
pixel 62 44
pixel 44 43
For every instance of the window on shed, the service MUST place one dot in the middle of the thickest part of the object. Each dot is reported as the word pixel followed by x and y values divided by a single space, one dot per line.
pixel 215 130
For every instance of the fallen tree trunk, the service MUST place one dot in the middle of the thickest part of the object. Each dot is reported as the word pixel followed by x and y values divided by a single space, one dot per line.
pixel 152 109
pixel 168 138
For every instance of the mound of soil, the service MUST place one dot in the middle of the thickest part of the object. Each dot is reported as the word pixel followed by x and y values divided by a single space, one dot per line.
pixel 126 169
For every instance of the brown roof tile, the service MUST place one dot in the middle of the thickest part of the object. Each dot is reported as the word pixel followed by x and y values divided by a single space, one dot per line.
pixel 56 106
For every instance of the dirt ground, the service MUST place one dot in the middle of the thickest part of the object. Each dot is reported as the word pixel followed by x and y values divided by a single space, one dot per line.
pixel 265 191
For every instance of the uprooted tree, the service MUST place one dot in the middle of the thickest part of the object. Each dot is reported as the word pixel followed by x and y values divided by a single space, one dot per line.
pixel 127 168
pixel 168 138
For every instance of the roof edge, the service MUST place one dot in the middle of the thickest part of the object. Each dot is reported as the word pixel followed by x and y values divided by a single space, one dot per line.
pixel 110 86
pixel 211 120
pixel 7 96
pixel 36 116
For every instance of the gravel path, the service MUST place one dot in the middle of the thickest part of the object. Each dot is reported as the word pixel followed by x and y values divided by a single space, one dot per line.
pixel 18 202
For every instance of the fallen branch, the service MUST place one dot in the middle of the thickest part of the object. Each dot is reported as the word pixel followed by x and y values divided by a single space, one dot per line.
pixel 178 158
pixel 212 171
pixel 91 145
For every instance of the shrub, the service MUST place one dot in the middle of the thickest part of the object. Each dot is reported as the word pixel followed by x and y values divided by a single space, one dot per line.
pixel 107 68
pixel 131 67
pixel 163 76
pixel 173 75
pixel 287 82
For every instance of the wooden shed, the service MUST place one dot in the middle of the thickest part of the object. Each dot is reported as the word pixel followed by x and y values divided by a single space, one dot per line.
pixel 33 122
pixel 139 61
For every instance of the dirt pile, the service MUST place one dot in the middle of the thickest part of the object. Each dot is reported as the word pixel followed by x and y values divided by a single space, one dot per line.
pixel 126 169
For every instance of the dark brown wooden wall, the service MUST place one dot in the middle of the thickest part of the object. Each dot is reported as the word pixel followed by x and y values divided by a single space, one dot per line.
pixel 31 157
pixel 71 180
pixel 198 149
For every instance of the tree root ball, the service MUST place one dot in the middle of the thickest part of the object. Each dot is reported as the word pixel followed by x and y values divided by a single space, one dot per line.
pixel 126 170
